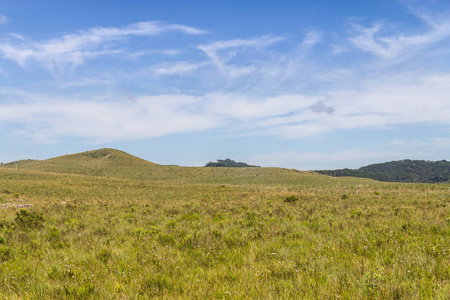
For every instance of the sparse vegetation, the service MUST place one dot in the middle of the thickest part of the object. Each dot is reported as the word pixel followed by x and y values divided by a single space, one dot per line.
pixel 233 237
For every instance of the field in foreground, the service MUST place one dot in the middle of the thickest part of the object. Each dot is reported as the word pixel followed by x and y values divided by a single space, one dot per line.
pixel 80 237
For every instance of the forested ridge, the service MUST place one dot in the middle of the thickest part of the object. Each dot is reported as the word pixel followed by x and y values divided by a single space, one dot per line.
pixel 400 171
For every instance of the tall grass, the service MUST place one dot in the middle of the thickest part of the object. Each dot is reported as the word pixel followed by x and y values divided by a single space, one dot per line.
pixel 99 238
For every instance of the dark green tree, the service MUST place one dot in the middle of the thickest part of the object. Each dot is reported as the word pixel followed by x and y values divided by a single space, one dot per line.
pixel 228 163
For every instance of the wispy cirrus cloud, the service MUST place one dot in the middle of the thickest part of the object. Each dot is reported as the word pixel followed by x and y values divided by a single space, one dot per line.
pixel 383 41
pixel 178 68
pixel 221 52
pixel 74 49
pixel 244 108
pixel 168 52
pixel 235 58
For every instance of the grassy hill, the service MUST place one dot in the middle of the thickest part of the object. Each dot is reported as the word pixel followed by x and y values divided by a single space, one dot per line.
pixel 102 162
pixel 118 164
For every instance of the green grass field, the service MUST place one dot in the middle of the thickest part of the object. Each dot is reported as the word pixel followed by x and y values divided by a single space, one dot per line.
pixel 195 233
pixel 118 164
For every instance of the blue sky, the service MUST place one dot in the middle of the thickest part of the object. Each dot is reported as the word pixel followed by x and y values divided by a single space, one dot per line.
pixel 296 84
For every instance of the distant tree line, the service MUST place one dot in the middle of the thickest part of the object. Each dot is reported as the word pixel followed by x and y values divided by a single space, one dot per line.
pixel 400 171
pixel 229 163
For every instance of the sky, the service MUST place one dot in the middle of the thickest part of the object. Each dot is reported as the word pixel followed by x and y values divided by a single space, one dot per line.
pixel 306 84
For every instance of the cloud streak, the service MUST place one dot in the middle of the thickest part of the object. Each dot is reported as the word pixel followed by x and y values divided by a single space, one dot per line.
pixel 288 116
pixel 104 121
pixel 221 52
pixel 177 68
pixel 381 40
pixel 74 49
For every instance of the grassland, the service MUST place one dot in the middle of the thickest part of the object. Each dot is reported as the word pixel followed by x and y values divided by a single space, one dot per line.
pixel 252 233
pixel 118 164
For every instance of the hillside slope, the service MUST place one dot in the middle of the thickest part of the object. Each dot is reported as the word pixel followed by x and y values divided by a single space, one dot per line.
pixel 102 162
pixel 118 164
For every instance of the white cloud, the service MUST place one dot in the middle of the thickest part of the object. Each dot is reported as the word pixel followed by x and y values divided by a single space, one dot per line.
pixel 377 104
pixel 86 82
pixel 3 19
pixel 169 52
pixel 381 40
pixel 103 121
pixel 242 107
pixel 177 68
pixel 211 49
pixel 221 52
pixel 312 38
pixel 246 86
pixel 73 49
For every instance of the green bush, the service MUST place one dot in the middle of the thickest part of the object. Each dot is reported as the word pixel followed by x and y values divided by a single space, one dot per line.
pixel 291 199
pixel 32 219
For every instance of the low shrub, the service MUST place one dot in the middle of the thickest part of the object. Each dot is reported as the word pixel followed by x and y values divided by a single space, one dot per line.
pixel 32 219
pixel 291 199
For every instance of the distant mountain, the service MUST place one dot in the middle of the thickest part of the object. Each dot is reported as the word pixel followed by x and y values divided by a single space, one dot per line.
pixel 228 163
pixel 400 171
